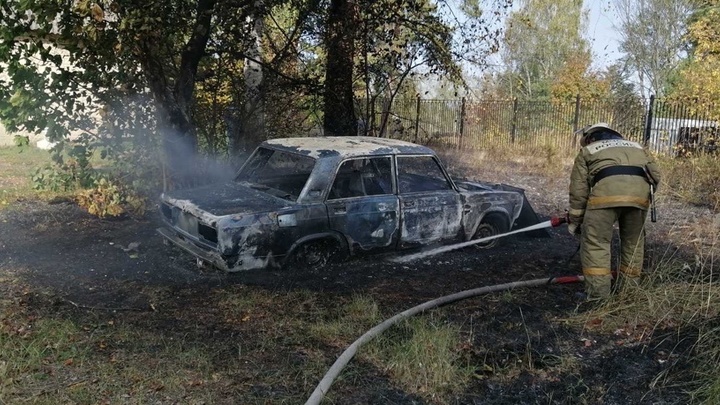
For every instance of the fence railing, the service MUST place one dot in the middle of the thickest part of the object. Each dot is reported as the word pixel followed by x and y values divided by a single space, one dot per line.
pixel 664 126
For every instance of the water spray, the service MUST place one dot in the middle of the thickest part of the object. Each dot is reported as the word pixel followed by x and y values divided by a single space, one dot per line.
pixel 551 223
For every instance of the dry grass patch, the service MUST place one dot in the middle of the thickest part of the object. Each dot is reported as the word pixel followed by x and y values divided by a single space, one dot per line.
pixel 509 161
pixel 681 296
pixel 695 180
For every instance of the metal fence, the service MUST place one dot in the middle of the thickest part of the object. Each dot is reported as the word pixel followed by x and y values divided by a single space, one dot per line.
pixel 664 126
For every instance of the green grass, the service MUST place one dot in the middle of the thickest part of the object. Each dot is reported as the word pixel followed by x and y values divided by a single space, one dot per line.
pixel 16 166
pixel 422 355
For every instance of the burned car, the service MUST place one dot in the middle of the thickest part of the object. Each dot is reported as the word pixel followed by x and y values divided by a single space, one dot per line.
pixel 303 201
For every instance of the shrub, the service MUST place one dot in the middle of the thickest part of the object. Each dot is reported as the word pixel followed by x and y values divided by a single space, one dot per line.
pixel 108 198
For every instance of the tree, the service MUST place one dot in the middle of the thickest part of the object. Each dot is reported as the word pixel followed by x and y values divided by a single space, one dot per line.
pixel 653 39
pixel 699 80
pixel 541 37
pixel 340 45
pixel 397 45
pixel 206 73
pixel 94 56
pixel 575 78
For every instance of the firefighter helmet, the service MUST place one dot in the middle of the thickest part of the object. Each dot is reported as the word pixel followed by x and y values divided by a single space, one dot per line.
pixel 596 132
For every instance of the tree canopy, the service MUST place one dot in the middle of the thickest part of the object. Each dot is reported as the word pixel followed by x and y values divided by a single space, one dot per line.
pixel 543 40
pixel 653 40
pixel 189 73
pixel 699 79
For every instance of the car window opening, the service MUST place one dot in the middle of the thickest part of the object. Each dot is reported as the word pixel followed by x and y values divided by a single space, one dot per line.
pixel 363 177
pixel 420 174
pixel 276 172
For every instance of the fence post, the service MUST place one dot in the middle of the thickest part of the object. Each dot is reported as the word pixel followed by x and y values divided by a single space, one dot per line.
pixel 371 118
pixel 513 129
pixel 417 118
pixel 462 123
pixel 648 122
pixel 576 119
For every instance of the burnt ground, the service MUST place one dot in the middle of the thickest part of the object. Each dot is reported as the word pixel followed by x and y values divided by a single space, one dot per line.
pixel 82 264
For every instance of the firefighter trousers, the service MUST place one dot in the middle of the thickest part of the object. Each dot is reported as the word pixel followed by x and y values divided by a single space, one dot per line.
pixel 595 247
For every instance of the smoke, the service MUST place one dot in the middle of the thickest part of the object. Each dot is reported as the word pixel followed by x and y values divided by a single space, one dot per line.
pixel 185 165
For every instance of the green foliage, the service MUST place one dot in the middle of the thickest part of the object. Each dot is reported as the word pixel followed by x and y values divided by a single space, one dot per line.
pixel 396 39
pixel 122 190
pixel 540 38
pixel 130 77
pixel 20 140
pixel 699 79
pixel 68 172
pixel 653 39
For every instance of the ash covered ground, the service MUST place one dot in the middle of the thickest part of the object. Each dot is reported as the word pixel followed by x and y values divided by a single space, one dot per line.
pixel 87 263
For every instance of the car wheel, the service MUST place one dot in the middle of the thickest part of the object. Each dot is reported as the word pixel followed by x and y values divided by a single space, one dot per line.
pixel 490 226
pixel 315 254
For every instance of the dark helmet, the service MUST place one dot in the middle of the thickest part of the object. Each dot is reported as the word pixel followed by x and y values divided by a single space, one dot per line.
pixel 598 132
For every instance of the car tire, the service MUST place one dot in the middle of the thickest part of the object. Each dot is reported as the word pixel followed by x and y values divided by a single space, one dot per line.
pixel 315 254
pixel 490 226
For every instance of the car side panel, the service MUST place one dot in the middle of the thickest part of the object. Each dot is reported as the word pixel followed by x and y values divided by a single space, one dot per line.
pixel 477 204
pixel 265 240
pixel 368 222
pixel 429 217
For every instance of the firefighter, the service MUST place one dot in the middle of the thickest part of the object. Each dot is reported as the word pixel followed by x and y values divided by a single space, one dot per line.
pixel 610 182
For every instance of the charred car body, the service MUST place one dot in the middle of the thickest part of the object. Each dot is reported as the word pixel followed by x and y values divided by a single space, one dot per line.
pixel 306 200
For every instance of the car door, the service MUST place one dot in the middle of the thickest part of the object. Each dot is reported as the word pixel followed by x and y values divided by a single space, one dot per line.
pixel 431 208
pixel 362 204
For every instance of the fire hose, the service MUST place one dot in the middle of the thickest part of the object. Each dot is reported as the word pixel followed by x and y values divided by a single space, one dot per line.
pixel 324 386
pixel 552 222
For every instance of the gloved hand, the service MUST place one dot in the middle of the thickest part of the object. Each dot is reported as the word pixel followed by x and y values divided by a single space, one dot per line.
pixel 574 222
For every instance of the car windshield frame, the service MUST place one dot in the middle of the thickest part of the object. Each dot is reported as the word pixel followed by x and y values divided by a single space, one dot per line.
pixel 277 172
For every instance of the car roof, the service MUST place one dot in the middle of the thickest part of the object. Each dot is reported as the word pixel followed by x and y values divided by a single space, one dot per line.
pixel 321 146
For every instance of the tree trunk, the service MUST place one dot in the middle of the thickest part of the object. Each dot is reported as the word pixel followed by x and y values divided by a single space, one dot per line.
pixel 174 102
pixel 254 127
pixel 340 44
pixel 246 119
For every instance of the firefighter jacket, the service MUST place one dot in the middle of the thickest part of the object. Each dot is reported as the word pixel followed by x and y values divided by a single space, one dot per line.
pixel 615 190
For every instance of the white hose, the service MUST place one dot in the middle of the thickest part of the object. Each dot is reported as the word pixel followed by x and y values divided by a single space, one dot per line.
pixel 443 249
pixel 324 385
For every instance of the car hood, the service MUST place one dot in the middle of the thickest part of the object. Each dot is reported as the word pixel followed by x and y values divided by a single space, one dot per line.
pixel 230 198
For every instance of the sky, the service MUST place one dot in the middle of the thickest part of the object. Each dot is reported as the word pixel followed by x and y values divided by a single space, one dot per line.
pixel 602 33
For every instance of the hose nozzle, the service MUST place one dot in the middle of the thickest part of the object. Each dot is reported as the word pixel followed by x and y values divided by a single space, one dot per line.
pixel 559 220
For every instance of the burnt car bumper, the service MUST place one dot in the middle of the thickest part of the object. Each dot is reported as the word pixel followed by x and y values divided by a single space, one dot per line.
pixel 229 264
pixel 190 247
